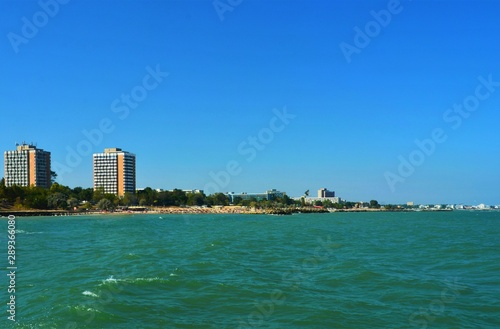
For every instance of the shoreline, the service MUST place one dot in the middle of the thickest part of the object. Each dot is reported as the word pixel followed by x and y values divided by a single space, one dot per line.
pixel 236 210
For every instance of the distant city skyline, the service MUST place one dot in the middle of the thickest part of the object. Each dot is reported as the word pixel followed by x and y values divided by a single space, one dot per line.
pixel 389 100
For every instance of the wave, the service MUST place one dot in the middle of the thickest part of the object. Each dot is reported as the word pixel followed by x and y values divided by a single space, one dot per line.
pixel 89 293
pixel 24 232
pixel 85 308
pixel 111 280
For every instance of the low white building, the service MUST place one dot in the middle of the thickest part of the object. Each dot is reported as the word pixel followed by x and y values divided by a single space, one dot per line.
pixel 311 200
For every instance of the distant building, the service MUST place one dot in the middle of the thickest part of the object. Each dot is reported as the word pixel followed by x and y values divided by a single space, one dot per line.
pixel 324 193
pixel 311 201
pixel 27 166
pixel 114 170
pixel 268 195
pixel 190 191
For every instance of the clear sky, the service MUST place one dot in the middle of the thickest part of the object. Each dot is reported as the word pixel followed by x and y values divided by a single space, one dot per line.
pixel 292 95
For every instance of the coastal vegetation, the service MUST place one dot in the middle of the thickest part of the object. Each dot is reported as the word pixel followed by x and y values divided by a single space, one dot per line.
pixel 60 197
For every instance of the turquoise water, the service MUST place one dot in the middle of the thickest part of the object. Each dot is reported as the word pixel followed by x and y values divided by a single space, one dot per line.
pixel 340 270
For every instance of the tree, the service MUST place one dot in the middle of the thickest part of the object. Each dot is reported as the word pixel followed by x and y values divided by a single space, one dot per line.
pixel 14 192
pixel 337 206
pixel 36 198
pixel 179 197
pixel 86 205
pixel 287 200
pixel 374 204
pixel 219 199
pixel 165 198
pixel 327 204
pixel 150 195
pixel 18 204
pixel 85 194
pixel 129 199
pixel 195 199
pixel 98 193
pixel 349 204
pixel 73 203
pixel 104 204
pixel 56 187
pixel 57 200
pixel 246 202
pixel 53 177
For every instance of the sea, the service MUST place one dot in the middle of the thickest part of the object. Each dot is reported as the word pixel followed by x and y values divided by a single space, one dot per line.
pixel 336 270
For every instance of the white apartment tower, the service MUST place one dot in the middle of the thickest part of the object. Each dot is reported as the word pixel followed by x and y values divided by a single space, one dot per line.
pixel 27 166
pixel 114 170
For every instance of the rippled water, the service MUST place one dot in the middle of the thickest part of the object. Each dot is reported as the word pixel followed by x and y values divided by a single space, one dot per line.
pixel 340 270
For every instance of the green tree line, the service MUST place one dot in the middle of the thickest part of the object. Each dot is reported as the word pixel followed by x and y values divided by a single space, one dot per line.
pixel 62 197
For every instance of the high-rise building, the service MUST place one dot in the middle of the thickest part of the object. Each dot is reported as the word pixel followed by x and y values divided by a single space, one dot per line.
pixel 324 193
pixel 114 170
pixel 27 166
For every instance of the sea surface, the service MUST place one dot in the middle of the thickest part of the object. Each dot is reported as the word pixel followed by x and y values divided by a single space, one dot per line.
pixel 339 270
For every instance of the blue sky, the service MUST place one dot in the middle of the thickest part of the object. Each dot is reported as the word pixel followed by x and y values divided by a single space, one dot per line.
pixel 212 115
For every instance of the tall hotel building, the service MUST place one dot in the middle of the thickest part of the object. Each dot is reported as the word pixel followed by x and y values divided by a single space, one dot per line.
pixel 27 166
pixel 114 170
pixel 324 193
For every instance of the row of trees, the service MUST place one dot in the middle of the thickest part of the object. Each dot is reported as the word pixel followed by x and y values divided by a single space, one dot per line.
pixel 57 197
pixel 64 197
pixel 78 198
pixel 347 205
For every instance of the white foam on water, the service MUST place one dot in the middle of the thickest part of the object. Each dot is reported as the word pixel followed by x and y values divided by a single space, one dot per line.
pixel 24 232
pixel 111 279
pixel 148 279
pixel 89 293
pixel 86 309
